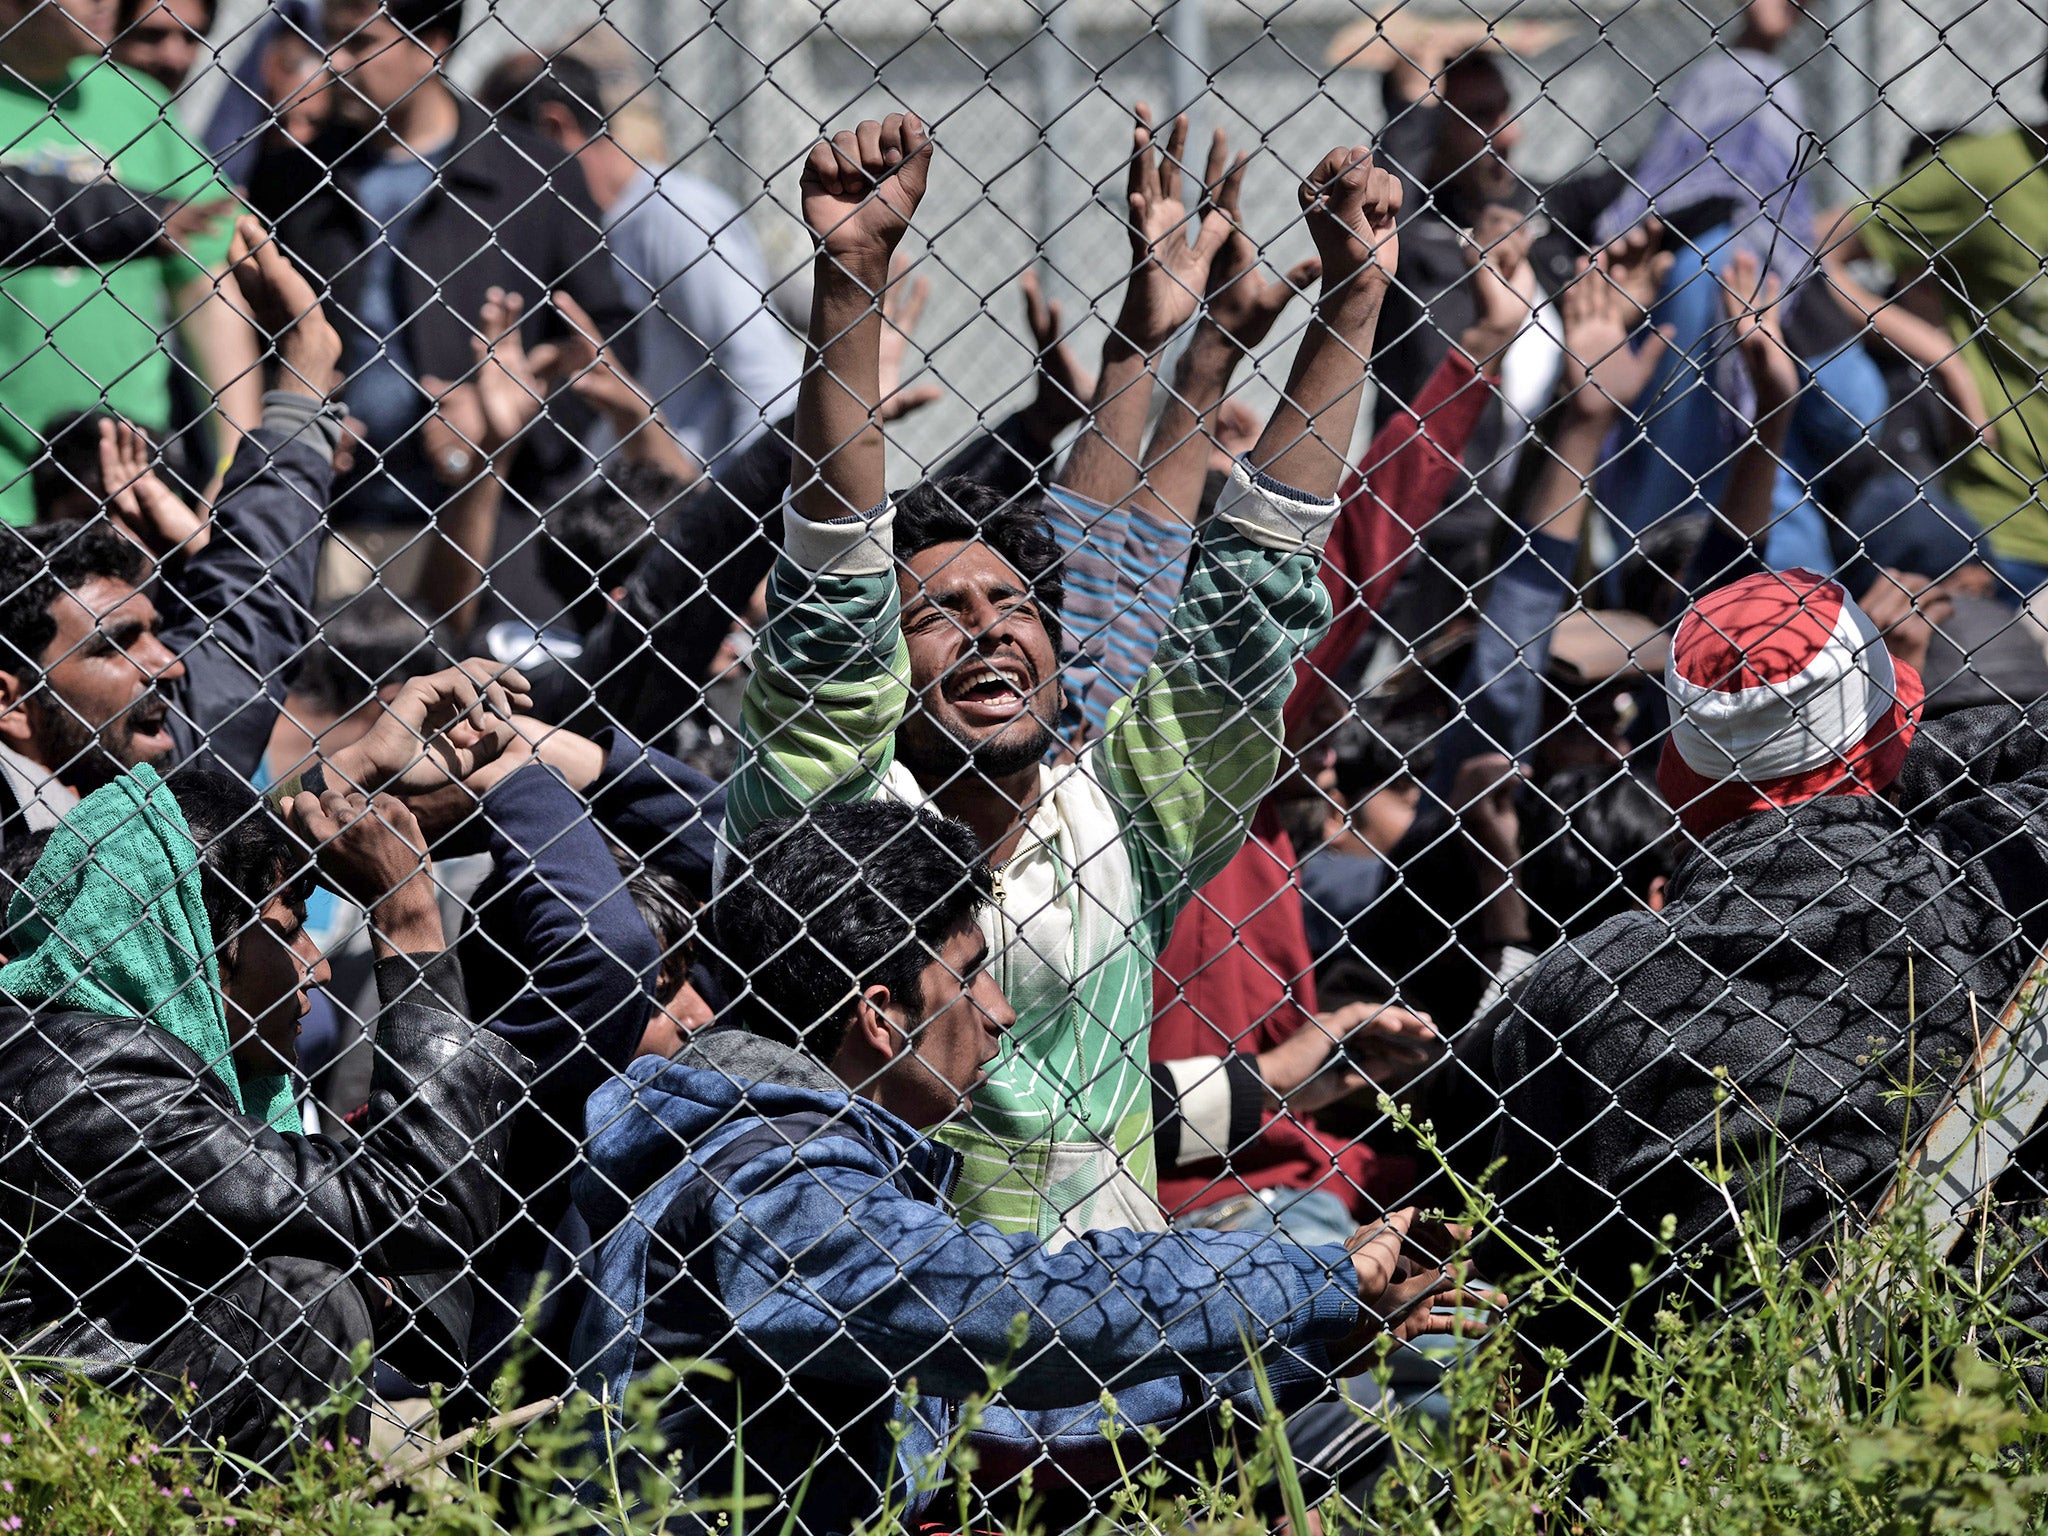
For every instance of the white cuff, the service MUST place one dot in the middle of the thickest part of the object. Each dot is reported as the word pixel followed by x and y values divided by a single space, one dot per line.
pixel 1275 515
pixel 1203 1088
pixel 846 546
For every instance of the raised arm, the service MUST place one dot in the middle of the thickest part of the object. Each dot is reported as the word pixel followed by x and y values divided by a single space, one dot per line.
pixel 1168 274
pixel 1605 373
pixel 1239 310
pixel 240 610
pixel 1194 750
pixel 830 680
pixel 1351 207
pixel 859 191
pixel 1732 546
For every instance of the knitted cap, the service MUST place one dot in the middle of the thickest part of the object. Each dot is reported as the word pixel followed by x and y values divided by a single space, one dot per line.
pixel 1781 691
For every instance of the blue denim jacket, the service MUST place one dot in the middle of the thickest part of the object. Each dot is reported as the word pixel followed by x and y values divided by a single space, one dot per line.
pixel 754 1213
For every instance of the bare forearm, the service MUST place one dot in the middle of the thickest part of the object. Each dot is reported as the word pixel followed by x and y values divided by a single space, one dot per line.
pixel 408 921
pixel 223 343
pixel 1564 490
pixel 1746 503
pixel 1307 440
pixel 1103 465
pixel 647 440
pixel 459 551
pixel 1177 459
pixel 840 467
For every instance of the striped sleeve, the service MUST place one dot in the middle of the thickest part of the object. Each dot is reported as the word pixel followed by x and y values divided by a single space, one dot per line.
pixel 1124 569
pixel 831 673
pixel 1191 753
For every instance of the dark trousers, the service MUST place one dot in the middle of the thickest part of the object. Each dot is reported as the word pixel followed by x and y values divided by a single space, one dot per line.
pixel 258 1364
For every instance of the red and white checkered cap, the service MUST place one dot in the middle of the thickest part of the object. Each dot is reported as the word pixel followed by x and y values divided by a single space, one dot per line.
pixel 1781 691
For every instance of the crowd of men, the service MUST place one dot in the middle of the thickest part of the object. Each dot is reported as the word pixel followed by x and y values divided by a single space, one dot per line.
pixel 522 846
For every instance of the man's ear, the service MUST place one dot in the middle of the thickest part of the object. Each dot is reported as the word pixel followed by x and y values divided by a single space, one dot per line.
pixel 15 729
pixel 1654 898
pixel 872 1026
pixel 560 127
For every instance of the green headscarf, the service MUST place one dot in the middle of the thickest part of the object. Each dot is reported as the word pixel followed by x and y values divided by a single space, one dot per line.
pixel 111 921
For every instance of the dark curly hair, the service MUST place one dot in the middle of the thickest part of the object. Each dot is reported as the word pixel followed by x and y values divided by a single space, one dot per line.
pixel 37 564
pixel 820 906
pixel 958 510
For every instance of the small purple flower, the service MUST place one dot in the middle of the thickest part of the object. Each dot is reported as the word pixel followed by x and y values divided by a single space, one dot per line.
pixel 1685 1461
pixel 5 1486
pixel 185 1493
pixel 14 1522
pixel 228 1520
pixel 5 1438
pixel 327 1445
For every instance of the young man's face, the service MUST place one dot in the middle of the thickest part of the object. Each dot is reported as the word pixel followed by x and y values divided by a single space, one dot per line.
pixel 965 1015
pixel 99 712
pixel 376 64
pixel 982 670
pixel 165 41
pixel 268 989
pixel 1479 134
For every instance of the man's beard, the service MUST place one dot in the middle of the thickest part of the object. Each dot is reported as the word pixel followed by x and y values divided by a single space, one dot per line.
pixel 81 757
pixel 937 758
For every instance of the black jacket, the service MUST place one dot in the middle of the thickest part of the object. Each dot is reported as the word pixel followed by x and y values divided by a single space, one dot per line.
pixel 131 1187
pixel 1782 961
pixel 505 210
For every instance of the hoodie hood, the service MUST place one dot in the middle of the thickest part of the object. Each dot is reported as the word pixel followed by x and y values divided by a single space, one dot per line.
pixel 643 1124
pixel 110 921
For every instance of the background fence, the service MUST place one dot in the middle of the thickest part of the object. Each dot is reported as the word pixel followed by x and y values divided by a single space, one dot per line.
pixel 1498 845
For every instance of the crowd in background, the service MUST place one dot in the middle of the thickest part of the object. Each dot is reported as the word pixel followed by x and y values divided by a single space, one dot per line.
pixel 522 842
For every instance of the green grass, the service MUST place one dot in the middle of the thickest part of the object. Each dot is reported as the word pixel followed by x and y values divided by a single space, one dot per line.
pixel 1893 1401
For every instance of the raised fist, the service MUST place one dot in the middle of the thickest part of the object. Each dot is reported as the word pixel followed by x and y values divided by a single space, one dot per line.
pixel 861 187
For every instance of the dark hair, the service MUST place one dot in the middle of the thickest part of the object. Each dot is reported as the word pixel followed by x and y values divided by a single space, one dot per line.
pixel 1475 72
pixel 669 909
pixel 1597 839
pixel 37 564
pixel 423 18
pixel 844 897
pixel 595 535
pixel 520 84
pixel 247 854
pixel 363 643
pixel 1370 755
pixel 960 510
pixel 130 11
pixel 69 462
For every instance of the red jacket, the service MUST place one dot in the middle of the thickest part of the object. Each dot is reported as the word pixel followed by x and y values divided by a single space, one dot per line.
pixel 1237 975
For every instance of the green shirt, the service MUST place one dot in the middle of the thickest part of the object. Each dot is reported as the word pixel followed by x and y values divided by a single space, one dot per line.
pixel 1977 212
pixel 82 338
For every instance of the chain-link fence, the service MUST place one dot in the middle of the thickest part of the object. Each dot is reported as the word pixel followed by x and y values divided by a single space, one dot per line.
pixel 984 798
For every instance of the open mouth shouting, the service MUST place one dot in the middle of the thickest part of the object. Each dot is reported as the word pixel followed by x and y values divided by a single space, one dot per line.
pixel 148 737
pixel 991 691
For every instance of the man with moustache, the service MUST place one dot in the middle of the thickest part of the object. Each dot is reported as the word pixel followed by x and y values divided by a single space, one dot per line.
pixel 103 668
pixel 912 652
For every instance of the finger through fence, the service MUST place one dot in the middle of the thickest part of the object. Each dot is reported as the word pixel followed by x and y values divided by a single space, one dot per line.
pixel 1021 766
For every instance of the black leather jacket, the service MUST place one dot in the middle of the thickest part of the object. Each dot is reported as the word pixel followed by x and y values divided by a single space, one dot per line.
pixel 131 1187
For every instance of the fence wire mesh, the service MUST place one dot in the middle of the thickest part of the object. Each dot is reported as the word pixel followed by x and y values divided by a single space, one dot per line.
pixel 631 733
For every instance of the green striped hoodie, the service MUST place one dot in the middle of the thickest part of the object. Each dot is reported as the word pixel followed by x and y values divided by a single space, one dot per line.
pixel 1061 1135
